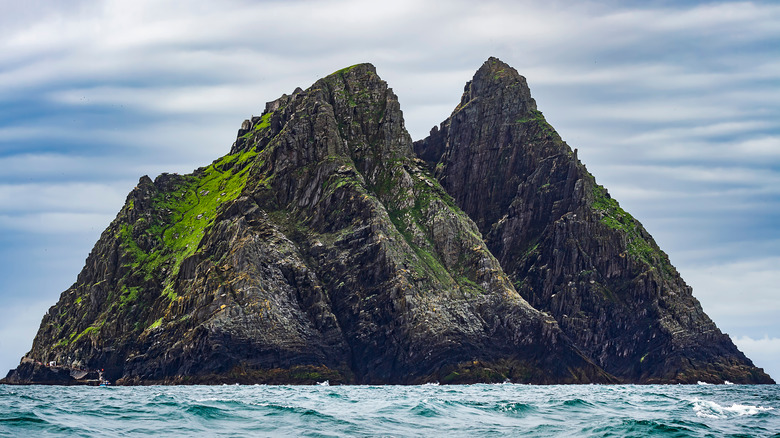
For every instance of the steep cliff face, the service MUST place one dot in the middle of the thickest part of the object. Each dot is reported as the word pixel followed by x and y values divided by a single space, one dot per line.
pixel 568 246
pixel 319 248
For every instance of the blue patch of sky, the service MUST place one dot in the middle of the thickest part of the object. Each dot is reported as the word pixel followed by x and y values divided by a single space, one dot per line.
pixel 47 121
pixel 42 268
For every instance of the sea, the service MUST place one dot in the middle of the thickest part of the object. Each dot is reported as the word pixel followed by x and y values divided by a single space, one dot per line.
pixel 392 411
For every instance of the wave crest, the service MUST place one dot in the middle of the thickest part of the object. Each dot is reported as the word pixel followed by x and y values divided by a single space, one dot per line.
pixel 711 409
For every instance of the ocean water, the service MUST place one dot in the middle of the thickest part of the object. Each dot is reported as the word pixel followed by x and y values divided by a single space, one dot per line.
pixel 393 411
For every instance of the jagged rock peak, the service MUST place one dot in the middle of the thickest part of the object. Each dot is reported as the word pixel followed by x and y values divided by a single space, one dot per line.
pixel 363 67
pixel 497 81
pixel 321 248
pixel 371 120
pixel 569 248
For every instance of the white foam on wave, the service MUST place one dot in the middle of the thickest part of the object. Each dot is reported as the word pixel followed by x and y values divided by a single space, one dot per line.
pixel 710 409
pixel 325 383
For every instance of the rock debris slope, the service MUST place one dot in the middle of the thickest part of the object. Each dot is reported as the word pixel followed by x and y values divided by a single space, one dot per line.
pixel 322 248
pixel 568 247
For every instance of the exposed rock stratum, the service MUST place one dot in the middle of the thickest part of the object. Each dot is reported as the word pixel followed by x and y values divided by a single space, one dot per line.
pixel 328 246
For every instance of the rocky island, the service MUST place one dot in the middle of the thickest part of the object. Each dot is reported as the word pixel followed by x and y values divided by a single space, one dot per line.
pixel 327 245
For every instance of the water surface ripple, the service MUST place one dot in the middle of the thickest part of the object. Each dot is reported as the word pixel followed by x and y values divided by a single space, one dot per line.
pixel 393 411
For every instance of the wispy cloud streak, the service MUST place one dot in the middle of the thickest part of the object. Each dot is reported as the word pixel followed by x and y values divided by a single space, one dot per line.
pixel 673 106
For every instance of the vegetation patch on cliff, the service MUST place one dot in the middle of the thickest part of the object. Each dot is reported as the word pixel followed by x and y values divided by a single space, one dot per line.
pixel 614 217
pixel 182 216
pixel 536 117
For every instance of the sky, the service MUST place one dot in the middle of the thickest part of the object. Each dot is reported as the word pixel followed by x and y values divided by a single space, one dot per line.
pixel 674 106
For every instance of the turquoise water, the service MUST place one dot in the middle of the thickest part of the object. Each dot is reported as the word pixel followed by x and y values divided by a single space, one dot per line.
pixel 429 410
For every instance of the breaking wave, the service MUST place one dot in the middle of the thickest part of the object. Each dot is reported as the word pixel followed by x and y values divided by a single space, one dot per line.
pixel 711 409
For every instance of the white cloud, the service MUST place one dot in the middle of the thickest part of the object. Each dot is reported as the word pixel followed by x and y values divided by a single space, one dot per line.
pixel 16 133
pixel 764 345
pixel 20 324
pixel 61 197
pixel 713 17
pixel 768 147
pixel 764 352
pixel 743 298
pixel 741 294
pixel 55 223
pixel 702 131
pixel 711 187
pixel 43 168
pixel 174 99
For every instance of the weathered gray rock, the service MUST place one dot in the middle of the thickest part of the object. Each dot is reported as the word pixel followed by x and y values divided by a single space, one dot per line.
pixel 319 248
pixel 568 246
pixel 323 248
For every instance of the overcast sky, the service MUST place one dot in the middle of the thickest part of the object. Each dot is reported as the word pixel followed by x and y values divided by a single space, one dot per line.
pixel 674 106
